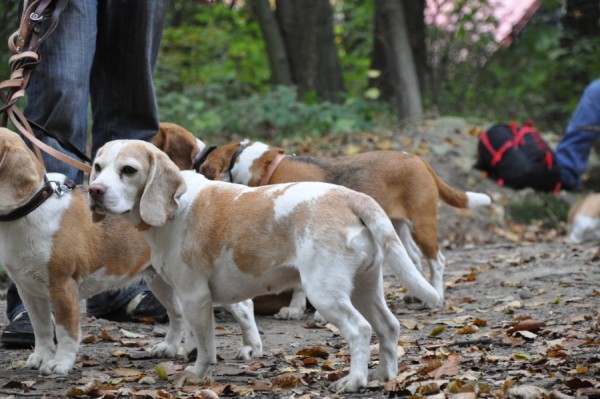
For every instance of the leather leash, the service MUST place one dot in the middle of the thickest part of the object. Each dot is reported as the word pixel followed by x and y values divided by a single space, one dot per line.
pixel 24 44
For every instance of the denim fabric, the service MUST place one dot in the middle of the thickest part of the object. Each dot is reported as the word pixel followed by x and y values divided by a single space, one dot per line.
pixel 102 53
pixel 573 151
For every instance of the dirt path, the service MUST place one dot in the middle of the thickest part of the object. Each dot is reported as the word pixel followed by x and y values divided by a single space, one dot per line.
pixel 490 289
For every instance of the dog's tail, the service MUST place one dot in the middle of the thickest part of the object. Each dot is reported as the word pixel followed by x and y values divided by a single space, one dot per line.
pixel 454 197
pixel 394 253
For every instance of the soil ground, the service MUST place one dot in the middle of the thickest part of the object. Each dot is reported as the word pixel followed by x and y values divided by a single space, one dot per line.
pixel 521 318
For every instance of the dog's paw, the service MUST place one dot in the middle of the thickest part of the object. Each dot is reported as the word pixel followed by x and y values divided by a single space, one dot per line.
pixel 56 367
pixel 288 313
pixel 247 352
pixel 382 373
pixel 163 349
pixel 348 384
pixel 318 319
pixel 38 358
pixel 411 299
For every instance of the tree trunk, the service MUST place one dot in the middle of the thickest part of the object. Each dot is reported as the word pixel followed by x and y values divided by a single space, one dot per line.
pixel 278 60
pixel 393 56
pixel 307 30
pixel 414 10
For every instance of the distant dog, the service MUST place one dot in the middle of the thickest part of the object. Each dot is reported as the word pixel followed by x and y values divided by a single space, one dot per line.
pixel 57 256
pixel 179 144
pixel 405 186
pixel 220 242
pixel 584 219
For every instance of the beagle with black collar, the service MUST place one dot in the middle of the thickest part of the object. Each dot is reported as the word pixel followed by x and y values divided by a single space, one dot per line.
pixel 56 256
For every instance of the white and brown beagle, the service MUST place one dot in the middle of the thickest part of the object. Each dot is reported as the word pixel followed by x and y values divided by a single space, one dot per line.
pixel 56 256
pixel 584 219
pixel 405 186
pixel 217 242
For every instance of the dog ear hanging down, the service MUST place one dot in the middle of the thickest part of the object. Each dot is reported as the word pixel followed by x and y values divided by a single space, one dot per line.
pixel 405 185
pixel 225 243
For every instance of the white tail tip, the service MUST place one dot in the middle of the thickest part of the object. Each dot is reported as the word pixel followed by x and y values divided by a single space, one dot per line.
pixel 477 199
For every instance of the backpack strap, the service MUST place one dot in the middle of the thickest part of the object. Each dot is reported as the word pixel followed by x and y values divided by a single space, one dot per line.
pixel 496 154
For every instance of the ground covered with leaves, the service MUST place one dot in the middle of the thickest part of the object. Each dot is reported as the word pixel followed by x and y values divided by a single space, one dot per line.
pixel 521 318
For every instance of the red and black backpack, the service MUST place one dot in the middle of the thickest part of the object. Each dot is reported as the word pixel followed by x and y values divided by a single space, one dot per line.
pixel 518 157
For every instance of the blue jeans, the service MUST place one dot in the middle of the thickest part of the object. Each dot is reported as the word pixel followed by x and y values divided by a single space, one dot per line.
pixel 102 53
pixel 573 151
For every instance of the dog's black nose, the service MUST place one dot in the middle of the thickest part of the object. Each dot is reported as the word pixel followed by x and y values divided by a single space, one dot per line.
pixel 96 190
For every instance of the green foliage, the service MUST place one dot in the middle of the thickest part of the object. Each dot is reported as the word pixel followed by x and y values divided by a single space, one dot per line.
pixel 276 113
pixel 543 207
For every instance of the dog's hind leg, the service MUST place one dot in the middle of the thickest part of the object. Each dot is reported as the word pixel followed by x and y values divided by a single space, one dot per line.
pixel 297 305
pixel 331 297
pixel 402 228
pixel 166 295
pixel 368 297
pixel 243 312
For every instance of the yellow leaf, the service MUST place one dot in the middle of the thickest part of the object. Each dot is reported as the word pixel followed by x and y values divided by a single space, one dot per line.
pixel 384 144
pixel 352 149
pixel 437 330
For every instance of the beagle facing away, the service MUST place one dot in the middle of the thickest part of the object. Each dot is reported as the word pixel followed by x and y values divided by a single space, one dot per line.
pixel 56 256
pixel 405 185
pixel 584 219
pixel 223 243
pixel 181 145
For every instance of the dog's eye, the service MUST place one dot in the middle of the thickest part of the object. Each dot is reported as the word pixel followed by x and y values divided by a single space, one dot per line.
pixel 128 170
pixel 97 168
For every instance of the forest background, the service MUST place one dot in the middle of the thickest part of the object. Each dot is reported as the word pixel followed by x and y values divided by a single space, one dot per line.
pixel 271 69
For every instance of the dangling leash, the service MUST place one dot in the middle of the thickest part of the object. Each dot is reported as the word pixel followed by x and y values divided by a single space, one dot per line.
pixel 24 44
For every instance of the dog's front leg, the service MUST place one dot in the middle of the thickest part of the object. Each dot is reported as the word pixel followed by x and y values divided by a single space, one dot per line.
pixel 297 305
pixel 64 295
pixel 41 321
pixel 167 297
pixel 198 313
pixel 244 314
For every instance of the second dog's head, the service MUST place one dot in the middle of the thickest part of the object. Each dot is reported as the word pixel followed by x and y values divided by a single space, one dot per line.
pixel 136 179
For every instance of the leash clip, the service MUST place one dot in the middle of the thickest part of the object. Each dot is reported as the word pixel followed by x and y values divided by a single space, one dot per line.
pixel 35 16
pixel 61 188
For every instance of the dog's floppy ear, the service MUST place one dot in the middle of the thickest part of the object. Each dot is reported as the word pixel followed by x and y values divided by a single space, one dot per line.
pixel 164 186
pixel 18 166
pixel 212 168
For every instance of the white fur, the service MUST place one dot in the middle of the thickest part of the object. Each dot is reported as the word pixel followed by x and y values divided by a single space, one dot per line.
pixel 477 199
pixel 352 250
pixel 584 228
pixel 241 171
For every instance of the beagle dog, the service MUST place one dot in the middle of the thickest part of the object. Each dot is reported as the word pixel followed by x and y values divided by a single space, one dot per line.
pixel 179 144
pixel 405 185
pixel 56 256
pixel 217 242
pixel 584 219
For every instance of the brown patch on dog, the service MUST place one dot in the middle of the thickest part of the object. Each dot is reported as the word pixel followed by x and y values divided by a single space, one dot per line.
pixel 256 247
pixel 113 244
pixel 178 143
pixel 587 206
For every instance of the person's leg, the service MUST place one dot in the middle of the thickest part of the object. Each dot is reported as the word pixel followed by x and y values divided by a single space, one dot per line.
pixel 573 151
pixel 122 90
pixel 58 90
pixel 124 107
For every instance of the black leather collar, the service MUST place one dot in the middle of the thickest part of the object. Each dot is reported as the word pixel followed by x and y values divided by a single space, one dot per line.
pixel 202 157
pixel 234 158
pixel 49 188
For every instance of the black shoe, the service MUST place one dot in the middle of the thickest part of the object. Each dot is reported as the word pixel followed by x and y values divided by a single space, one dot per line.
pixel 19 333
pixel 142 306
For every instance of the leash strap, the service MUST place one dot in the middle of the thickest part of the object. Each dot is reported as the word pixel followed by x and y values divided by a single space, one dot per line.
pixel 24 44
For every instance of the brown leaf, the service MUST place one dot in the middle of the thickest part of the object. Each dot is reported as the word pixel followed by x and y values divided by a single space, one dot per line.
pixel 526 325
pixel 84 390
pixel 469 329
pixel 314 351
pixel 287 380
pixel 449 367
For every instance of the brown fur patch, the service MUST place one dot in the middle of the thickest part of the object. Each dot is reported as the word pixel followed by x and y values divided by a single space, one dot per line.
pixel 218 161
pixel 81 247
pixel 588 206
